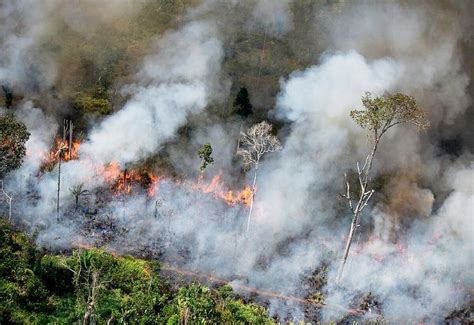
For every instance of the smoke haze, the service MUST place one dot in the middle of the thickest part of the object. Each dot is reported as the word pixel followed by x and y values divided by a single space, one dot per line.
pixel 415 246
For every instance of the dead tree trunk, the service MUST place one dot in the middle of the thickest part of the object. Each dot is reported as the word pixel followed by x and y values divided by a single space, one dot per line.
pixel 70 139
pixel 9 198
pixel 67 136
pixel 378 116
pixel 238 141
pixel 67 128
pixel 59 184
pixel 362 201
pixel 92 299
pixel 256 142
pixel 254 183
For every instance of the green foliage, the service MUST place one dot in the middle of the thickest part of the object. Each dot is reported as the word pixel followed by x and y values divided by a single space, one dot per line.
pixel 195 303
pixel 205 153
pixel 242 105
pixel 200 305
pixel 246 313
pixel 22 293
pixel 381 113
pixel 38 288
pixel 89 104
pixel 13 136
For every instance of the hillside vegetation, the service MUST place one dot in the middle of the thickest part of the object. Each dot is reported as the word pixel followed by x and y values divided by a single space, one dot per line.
pixel 92 286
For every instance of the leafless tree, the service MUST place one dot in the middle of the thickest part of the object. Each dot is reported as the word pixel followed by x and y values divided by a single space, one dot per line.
pixel 60 154
pixel 87 278
pixel 94 288
pixel 67 135
pixel 9 198
pixel 253 145
pixel 377 117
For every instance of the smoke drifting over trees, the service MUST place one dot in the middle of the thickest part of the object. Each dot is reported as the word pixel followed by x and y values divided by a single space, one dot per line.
pixel 168 74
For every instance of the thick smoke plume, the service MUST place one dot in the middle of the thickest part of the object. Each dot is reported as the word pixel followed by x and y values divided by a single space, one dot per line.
pixel 415 247
pixel 28 63
pixel 172 85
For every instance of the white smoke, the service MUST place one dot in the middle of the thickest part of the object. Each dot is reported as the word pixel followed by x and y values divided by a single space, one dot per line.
pixel 419 271
pixel 22 63
pixel 171 86
pixel 424 41
pixel 323 137
pixel 323 142
pixel 181 79
pixel 275 17
pixel 29 60
pixel 422 276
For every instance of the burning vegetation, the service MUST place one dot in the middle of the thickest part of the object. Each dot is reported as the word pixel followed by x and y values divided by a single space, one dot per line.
pixel 126 181
pixel 259 145
pixel 61 150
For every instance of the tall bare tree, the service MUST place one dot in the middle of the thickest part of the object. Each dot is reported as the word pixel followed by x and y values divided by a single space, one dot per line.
pixel 253 145
pixel 60 154
pixel 377 117
pixel 88 280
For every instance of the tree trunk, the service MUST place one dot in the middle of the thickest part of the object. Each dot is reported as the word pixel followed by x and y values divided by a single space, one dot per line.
pixel 10 198
pixel 70 140
pixel 238 141
pixel 10 208
pixel 252 198
pixel 352 231
pixel 85 319
pixel 363 180
pixel 59 186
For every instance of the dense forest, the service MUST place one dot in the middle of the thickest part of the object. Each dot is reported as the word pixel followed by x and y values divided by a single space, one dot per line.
pixel 221 162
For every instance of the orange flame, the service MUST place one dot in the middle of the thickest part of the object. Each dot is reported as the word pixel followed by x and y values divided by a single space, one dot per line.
pixel 219 190
pixel 109 172
pixel 64 145
pixel 51 158
pixel 123 181
pixel 153 185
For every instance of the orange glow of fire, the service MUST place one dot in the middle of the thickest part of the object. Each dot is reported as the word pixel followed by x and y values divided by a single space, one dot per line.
pixel 219 190
pixel 53 156
pixel 122 181
pixel 152 189
pixel 125 180
pixel 109 172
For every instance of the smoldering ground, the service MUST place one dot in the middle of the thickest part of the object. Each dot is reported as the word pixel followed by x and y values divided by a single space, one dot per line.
pixel 415 244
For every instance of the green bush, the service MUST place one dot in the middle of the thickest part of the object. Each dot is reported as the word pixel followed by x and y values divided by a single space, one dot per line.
pixel 88 104
pixel 39 288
